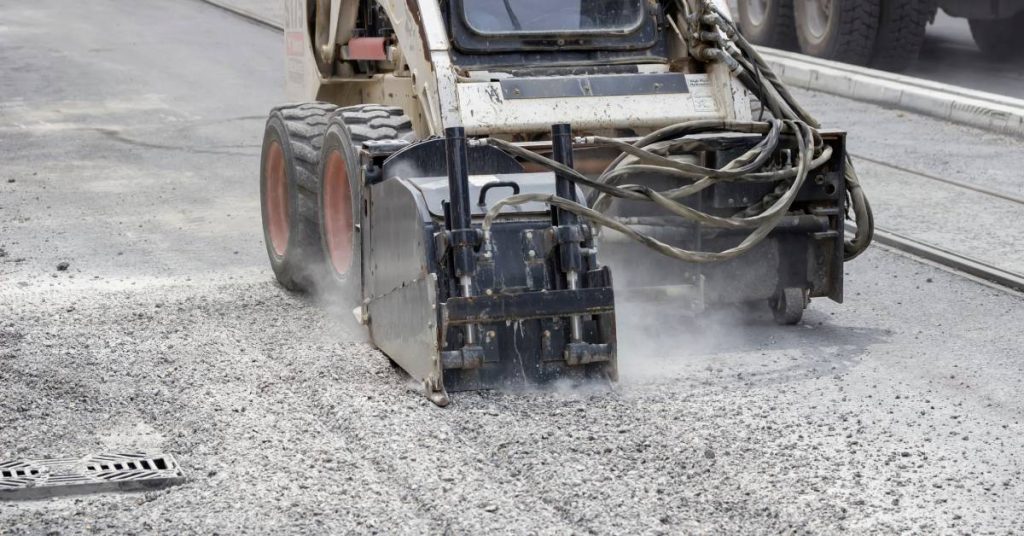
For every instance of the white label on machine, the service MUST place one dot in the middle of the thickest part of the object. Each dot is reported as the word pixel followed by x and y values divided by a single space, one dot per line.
pixel 482 180
pixel 700 91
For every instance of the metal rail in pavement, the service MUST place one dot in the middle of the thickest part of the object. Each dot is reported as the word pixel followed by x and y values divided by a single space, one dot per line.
pixel 949 259
pixel 246 14
pixel 952 182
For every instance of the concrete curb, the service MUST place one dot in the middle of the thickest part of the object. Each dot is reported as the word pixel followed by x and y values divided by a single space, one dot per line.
pixel 989 111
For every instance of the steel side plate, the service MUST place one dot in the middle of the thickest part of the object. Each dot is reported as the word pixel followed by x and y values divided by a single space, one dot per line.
pixel 36 479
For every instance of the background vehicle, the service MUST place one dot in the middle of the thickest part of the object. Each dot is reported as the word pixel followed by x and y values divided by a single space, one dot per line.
pixel 885 34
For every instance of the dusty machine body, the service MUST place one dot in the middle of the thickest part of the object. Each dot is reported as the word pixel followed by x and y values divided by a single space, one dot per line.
pixel 438 177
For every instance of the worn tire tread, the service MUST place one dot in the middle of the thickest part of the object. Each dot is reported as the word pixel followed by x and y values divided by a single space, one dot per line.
pixel 901 33
pixel 376 122
pixel 854 38
pixel 306 124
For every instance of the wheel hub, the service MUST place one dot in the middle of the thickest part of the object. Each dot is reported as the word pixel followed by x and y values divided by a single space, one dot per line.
pixel 818 16
pixel 338 228
pixel 276 199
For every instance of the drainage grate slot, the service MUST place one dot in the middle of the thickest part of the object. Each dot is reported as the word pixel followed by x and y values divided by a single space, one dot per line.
pixel 33 479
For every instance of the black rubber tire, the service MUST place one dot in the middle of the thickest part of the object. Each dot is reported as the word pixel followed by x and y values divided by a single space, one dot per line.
pixel 775 29
pixel 1000 39
pixel 901 30
pixel 849 35
pixel 376 122
pixel 347 130
pixel 298 130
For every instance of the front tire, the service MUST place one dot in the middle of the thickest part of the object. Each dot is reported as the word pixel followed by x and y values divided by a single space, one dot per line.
pixel 1000 38
pixel 340 199
pixel 339 214
pixel 840 30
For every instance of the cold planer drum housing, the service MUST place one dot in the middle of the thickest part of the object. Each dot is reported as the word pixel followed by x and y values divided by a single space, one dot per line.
pixel 529 305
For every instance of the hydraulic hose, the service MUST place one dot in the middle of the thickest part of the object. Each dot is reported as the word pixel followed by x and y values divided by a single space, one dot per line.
pixel 762 224
pixel 776 93
pixel 653 154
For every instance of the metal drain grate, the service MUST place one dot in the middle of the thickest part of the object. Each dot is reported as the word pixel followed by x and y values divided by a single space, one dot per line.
pixel 34 479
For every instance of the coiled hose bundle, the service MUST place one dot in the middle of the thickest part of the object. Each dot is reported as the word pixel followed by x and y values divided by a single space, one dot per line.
pixel 720 41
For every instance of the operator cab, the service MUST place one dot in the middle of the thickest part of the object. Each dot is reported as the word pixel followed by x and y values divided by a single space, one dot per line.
pixel 514 34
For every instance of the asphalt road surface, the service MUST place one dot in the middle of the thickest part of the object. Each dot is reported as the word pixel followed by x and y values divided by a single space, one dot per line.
pixel 130 151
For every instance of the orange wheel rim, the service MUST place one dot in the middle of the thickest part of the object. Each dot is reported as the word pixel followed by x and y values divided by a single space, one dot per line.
pixel 276 199
pixel 338 229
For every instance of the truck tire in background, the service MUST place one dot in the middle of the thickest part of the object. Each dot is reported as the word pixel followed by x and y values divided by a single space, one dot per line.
pixel 768 22
pixel 840 30
pixel 289 187
pixel 901 31
pixel 1000 38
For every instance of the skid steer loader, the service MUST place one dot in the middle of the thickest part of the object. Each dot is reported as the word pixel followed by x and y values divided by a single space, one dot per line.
pixel 451 168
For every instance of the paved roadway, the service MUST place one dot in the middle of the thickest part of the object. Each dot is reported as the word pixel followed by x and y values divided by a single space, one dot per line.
pixel 131 151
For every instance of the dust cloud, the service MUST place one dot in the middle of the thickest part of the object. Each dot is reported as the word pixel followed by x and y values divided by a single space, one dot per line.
pixel 662 330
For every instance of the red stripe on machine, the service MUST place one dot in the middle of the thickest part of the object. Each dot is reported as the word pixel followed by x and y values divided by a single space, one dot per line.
pixel 295 43
pixel 367 48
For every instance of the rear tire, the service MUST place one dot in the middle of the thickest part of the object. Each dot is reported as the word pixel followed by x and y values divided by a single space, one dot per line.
pixel 288 191
pixel 840 30
pixel 340 199
pixel 1000 38
pixel 768 22
pixel 901 31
